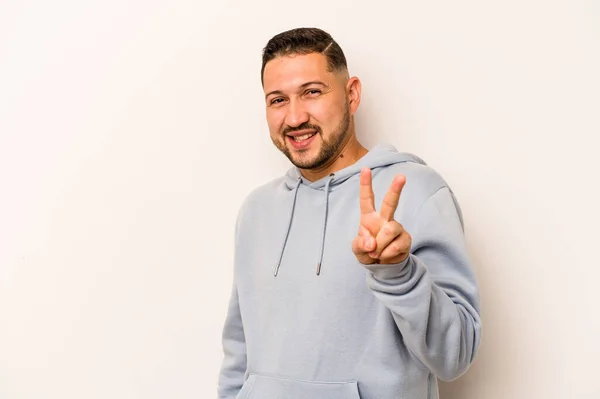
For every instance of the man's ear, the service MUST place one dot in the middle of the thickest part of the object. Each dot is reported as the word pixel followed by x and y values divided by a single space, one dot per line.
pixel 353 90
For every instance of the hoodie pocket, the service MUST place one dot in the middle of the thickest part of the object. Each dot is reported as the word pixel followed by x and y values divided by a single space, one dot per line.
pixel 266 387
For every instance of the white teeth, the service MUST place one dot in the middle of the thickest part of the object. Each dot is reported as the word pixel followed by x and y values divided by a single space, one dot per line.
pixel 303 137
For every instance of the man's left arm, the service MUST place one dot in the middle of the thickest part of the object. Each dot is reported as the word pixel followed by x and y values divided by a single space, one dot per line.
pixel 433 293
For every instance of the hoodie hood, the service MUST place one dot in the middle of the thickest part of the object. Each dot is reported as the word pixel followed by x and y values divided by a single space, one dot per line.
pixel 379 156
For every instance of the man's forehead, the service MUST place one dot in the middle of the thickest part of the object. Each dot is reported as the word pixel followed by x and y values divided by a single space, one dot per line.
pixel 287 72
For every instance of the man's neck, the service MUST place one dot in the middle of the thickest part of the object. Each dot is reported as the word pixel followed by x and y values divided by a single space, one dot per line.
pixel 351 152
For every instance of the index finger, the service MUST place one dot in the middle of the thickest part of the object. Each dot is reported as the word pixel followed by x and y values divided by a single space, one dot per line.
pixel 367 198
pixel 392 198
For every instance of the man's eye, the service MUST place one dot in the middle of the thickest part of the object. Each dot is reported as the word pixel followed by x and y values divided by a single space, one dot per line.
pixel 313 91
pixel 276 100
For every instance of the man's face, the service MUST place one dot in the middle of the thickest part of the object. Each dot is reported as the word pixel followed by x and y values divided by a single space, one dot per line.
pixel 308 112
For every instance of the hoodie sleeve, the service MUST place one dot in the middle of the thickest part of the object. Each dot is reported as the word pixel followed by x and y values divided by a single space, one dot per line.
pixel 233 368
pixel 433 294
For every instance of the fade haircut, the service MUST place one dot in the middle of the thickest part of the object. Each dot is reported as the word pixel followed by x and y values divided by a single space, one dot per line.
pixel 304 41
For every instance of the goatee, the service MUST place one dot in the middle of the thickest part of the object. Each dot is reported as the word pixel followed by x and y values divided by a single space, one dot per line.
pixel 329 148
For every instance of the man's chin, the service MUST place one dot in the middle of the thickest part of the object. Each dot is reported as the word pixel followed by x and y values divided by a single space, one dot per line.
pixel 307 162
pixel 305 157
pixel 303 163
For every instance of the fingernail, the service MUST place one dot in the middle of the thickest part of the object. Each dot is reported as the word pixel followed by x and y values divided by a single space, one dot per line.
pixel 368 242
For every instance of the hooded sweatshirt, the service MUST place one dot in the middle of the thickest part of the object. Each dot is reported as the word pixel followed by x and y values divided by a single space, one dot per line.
pixel 307 320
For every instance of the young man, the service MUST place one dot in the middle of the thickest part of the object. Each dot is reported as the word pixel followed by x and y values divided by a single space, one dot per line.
pixel 334 298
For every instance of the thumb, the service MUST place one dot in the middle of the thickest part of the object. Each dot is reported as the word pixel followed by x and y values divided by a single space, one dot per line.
pixel 369 244
pixel 366 241
pixel 362 245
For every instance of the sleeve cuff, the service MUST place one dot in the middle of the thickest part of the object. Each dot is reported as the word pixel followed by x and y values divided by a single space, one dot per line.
pixel 390 272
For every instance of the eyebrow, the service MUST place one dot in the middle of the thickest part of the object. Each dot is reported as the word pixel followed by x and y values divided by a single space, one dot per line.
pixel 302 86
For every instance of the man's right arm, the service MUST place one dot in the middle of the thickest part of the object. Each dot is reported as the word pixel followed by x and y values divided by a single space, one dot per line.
pixel 233 368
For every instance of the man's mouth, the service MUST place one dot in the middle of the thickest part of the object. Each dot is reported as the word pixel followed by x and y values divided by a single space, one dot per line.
pixel 301 138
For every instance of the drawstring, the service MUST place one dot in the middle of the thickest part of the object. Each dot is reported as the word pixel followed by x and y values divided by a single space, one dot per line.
pixel 331 176
pixel 288 228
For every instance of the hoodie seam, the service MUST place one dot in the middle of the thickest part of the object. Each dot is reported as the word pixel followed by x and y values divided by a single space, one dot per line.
pixel 418 213
pixel 301 380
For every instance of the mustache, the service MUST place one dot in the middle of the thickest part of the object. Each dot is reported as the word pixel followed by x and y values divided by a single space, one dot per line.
pixel 304 126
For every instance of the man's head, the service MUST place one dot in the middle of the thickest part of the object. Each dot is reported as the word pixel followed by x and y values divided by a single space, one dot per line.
pixel 310 99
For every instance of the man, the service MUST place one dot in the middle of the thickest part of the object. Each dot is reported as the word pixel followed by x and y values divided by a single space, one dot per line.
pixel 332 297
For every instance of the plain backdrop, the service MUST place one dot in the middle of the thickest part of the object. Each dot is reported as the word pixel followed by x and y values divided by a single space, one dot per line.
pixel 131 131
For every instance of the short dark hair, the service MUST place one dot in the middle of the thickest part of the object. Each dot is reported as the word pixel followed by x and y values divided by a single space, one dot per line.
pixel 304 41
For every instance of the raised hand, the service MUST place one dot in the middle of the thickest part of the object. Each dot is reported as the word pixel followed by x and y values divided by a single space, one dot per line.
pixel 380 238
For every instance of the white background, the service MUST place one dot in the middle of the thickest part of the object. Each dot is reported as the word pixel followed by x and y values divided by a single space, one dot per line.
pixel 131 131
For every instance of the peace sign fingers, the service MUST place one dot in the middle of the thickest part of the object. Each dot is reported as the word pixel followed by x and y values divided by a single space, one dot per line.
pixel 367 198
pixel 392 198
pixel 393 243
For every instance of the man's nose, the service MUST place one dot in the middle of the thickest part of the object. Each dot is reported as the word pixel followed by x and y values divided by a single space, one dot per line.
pixel 296 114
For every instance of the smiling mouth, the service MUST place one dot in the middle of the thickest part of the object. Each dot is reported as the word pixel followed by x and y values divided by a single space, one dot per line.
pixel 299 139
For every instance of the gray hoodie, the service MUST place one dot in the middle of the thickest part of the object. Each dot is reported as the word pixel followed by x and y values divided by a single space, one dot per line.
pixel 306 320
